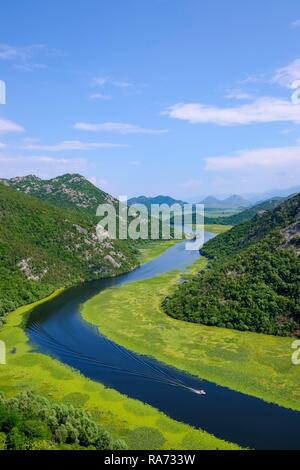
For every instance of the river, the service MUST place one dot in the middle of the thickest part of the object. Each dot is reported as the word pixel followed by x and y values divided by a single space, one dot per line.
pixel 56 328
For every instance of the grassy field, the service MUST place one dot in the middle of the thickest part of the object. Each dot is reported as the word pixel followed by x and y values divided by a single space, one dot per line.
pixel 251 363
pixel 140 425
pixel 221 212
pixel 155 248
pixel 217 228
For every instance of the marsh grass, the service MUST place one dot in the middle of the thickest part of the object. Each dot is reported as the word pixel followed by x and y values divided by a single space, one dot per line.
pixel 255 364
pixel 140 425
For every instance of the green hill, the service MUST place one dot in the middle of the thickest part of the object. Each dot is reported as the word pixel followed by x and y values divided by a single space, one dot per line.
pixel 246 214
pixel 232 202
pixel 74 192
pixel 253 279
pixel 70 191
pixel 43 248
pixel 147 201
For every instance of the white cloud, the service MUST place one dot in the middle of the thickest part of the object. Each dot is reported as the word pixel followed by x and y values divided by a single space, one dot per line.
pixel 121 83
pixel 286 76
pixel 68 145
pixel 238 94
pixel 135 163
pixel 107 80
pixel 2 145
pixel 24 53
pixel 37 159
pixel 261 110
pixel 254 78
pixel 9 126
pixel 295 24
pixel 117 127
pixel 100 96
pixel 264 158
pixel 23 57
pixel 42 166
pixel 282 76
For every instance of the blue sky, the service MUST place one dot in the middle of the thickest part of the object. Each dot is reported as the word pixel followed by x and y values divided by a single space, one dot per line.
pixel 181 97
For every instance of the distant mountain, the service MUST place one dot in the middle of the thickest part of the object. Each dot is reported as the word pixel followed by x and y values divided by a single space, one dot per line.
pixel 232 202
pixel 147 201
pixel 43 248
pixel 70 191
pixel 245 215
pixel 283 193
pixel 252 282
pixel 211 202
pixel 235 202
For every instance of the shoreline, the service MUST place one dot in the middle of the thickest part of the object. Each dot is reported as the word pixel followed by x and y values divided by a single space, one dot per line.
pixel 239 369
pixel 123 416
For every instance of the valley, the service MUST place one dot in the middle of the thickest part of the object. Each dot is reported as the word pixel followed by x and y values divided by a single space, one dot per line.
pixel 147 360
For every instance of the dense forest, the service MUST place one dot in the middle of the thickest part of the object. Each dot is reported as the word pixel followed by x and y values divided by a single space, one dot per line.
pixel 43 248
pixel 31 422
pixel 253 279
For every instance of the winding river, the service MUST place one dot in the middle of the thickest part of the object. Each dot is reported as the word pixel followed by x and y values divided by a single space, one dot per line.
pixel 56 328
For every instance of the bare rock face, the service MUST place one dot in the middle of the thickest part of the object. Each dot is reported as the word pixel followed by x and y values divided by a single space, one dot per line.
pixel 71 191
pixel 29 271
pixel 81 230
pixel 291 235
pixel 112 261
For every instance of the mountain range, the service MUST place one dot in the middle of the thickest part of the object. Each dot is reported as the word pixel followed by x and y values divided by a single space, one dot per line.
pixel 255 198
pixel 246 214
pixel 232 202
pixel 284 193
pixel 70 191
pixel 253 279
pixel 48 239
pixel 210 202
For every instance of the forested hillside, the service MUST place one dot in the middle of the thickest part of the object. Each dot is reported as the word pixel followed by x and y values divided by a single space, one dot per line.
pixel 253 279
pixel 147 201
pixel 43 248
pixel 70 191
pixel 246 214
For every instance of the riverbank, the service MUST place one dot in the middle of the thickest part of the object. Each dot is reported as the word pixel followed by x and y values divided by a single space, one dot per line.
pixel 217 229
pixel 155 248
pixel 124 417
pixel 250 363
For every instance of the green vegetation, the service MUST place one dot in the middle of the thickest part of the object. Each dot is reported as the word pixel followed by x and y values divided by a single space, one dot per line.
pixel 217 229
pixel 70 191
pixel 31 422
pixel 253 282
pixel 251 363
pixel 242 216
pixel 147 201
pixel 154 248
pixel 214 213
pixel 43 248
pixel 123 417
